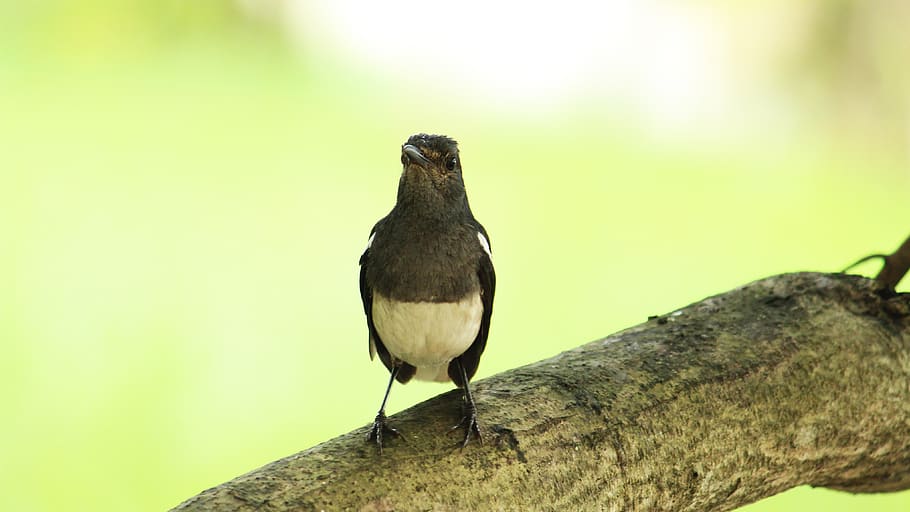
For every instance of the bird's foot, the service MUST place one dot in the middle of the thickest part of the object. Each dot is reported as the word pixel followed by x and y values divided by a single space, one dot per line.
pixel 470 426
pixel 381 428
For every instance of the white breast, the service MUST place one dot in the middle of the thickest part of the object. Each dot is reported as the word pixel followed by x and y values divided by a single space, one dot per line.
pixel 427 335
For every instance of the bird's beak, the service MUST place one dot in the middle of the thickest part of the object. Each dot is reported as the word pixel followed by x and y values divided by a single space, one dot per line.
pixel 415 156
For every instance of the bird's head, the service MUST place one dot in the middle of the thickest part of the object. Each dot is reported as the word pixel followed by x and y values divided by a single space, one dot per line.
pixel 431 167
pixel 432 153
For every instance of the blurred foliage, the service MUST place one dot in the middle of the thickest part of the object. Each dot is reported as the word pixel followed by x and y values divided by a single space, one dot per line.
pixel 184 196
pixel 855 69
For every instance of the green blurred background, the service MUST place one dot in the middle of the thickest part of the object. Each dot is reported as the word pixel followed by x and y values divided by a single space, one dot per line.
pixel 186 186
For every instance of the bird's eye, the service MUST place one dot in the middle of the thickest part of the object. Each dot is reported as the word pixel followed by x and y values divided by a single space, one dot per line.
pixel 451 162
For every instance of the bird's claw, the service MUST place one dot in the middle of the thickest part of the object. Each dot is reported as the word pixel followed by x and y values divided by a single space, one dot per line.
pixel 470 426
pixel 381 428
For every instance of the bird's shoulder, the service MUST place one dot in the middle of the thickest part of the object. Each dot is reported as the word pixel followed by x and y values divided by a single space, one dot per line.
pixel 376 227
pixel 483 236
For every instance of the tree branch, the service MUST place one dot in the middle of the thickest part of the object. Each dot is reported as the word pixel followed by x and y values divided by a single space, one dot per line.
pixel 791 380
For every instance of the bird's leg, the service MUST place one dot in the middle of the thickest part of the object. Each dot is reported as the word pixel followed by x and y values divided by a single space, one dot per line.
pixel 379 424
pixel 469 421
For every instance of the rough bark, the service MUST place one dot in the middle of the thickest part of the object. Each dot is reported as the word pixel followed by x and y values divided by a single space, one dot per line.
pixel 791 380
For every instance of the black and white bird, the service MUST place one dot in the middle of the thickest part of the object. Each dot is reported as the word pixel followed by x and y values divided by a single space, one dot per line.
pixel 427 280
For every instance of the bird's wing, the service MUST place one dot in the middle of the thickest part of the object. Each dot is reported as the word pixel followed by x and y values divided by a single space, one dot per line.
pixel 487 276
pixel 366 292
pixel 366 295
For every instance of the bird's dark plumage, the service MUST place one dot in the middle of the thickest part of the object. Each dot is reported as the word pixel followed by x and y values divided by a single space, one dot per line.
pixel 426 278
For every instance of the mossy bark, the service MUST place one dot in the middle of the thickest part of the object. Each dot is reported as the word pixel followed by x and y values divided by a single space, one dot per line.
pixel 791 380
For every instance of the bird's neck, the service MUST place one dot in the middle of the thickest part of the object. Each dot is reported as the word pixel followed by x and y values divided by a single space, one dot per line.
pixel 426 202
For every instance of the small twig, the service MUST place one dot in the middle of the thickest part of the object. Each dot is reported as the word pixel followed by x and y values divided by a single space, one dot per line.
pixel 863 260
pixel 896 266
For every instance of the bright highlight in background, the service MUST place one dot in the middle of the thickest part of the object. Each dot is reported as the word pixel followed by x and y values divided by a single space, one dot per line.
pixel 660 58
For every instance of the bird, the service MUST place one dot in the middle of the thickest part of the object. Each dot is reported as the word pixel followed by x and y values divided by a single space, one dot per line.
pixel 427 280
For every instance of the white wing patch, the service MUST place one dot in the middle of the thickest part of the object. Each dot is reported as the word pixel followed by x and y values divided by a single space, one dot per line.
pixel 372 342
pixel 483 243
